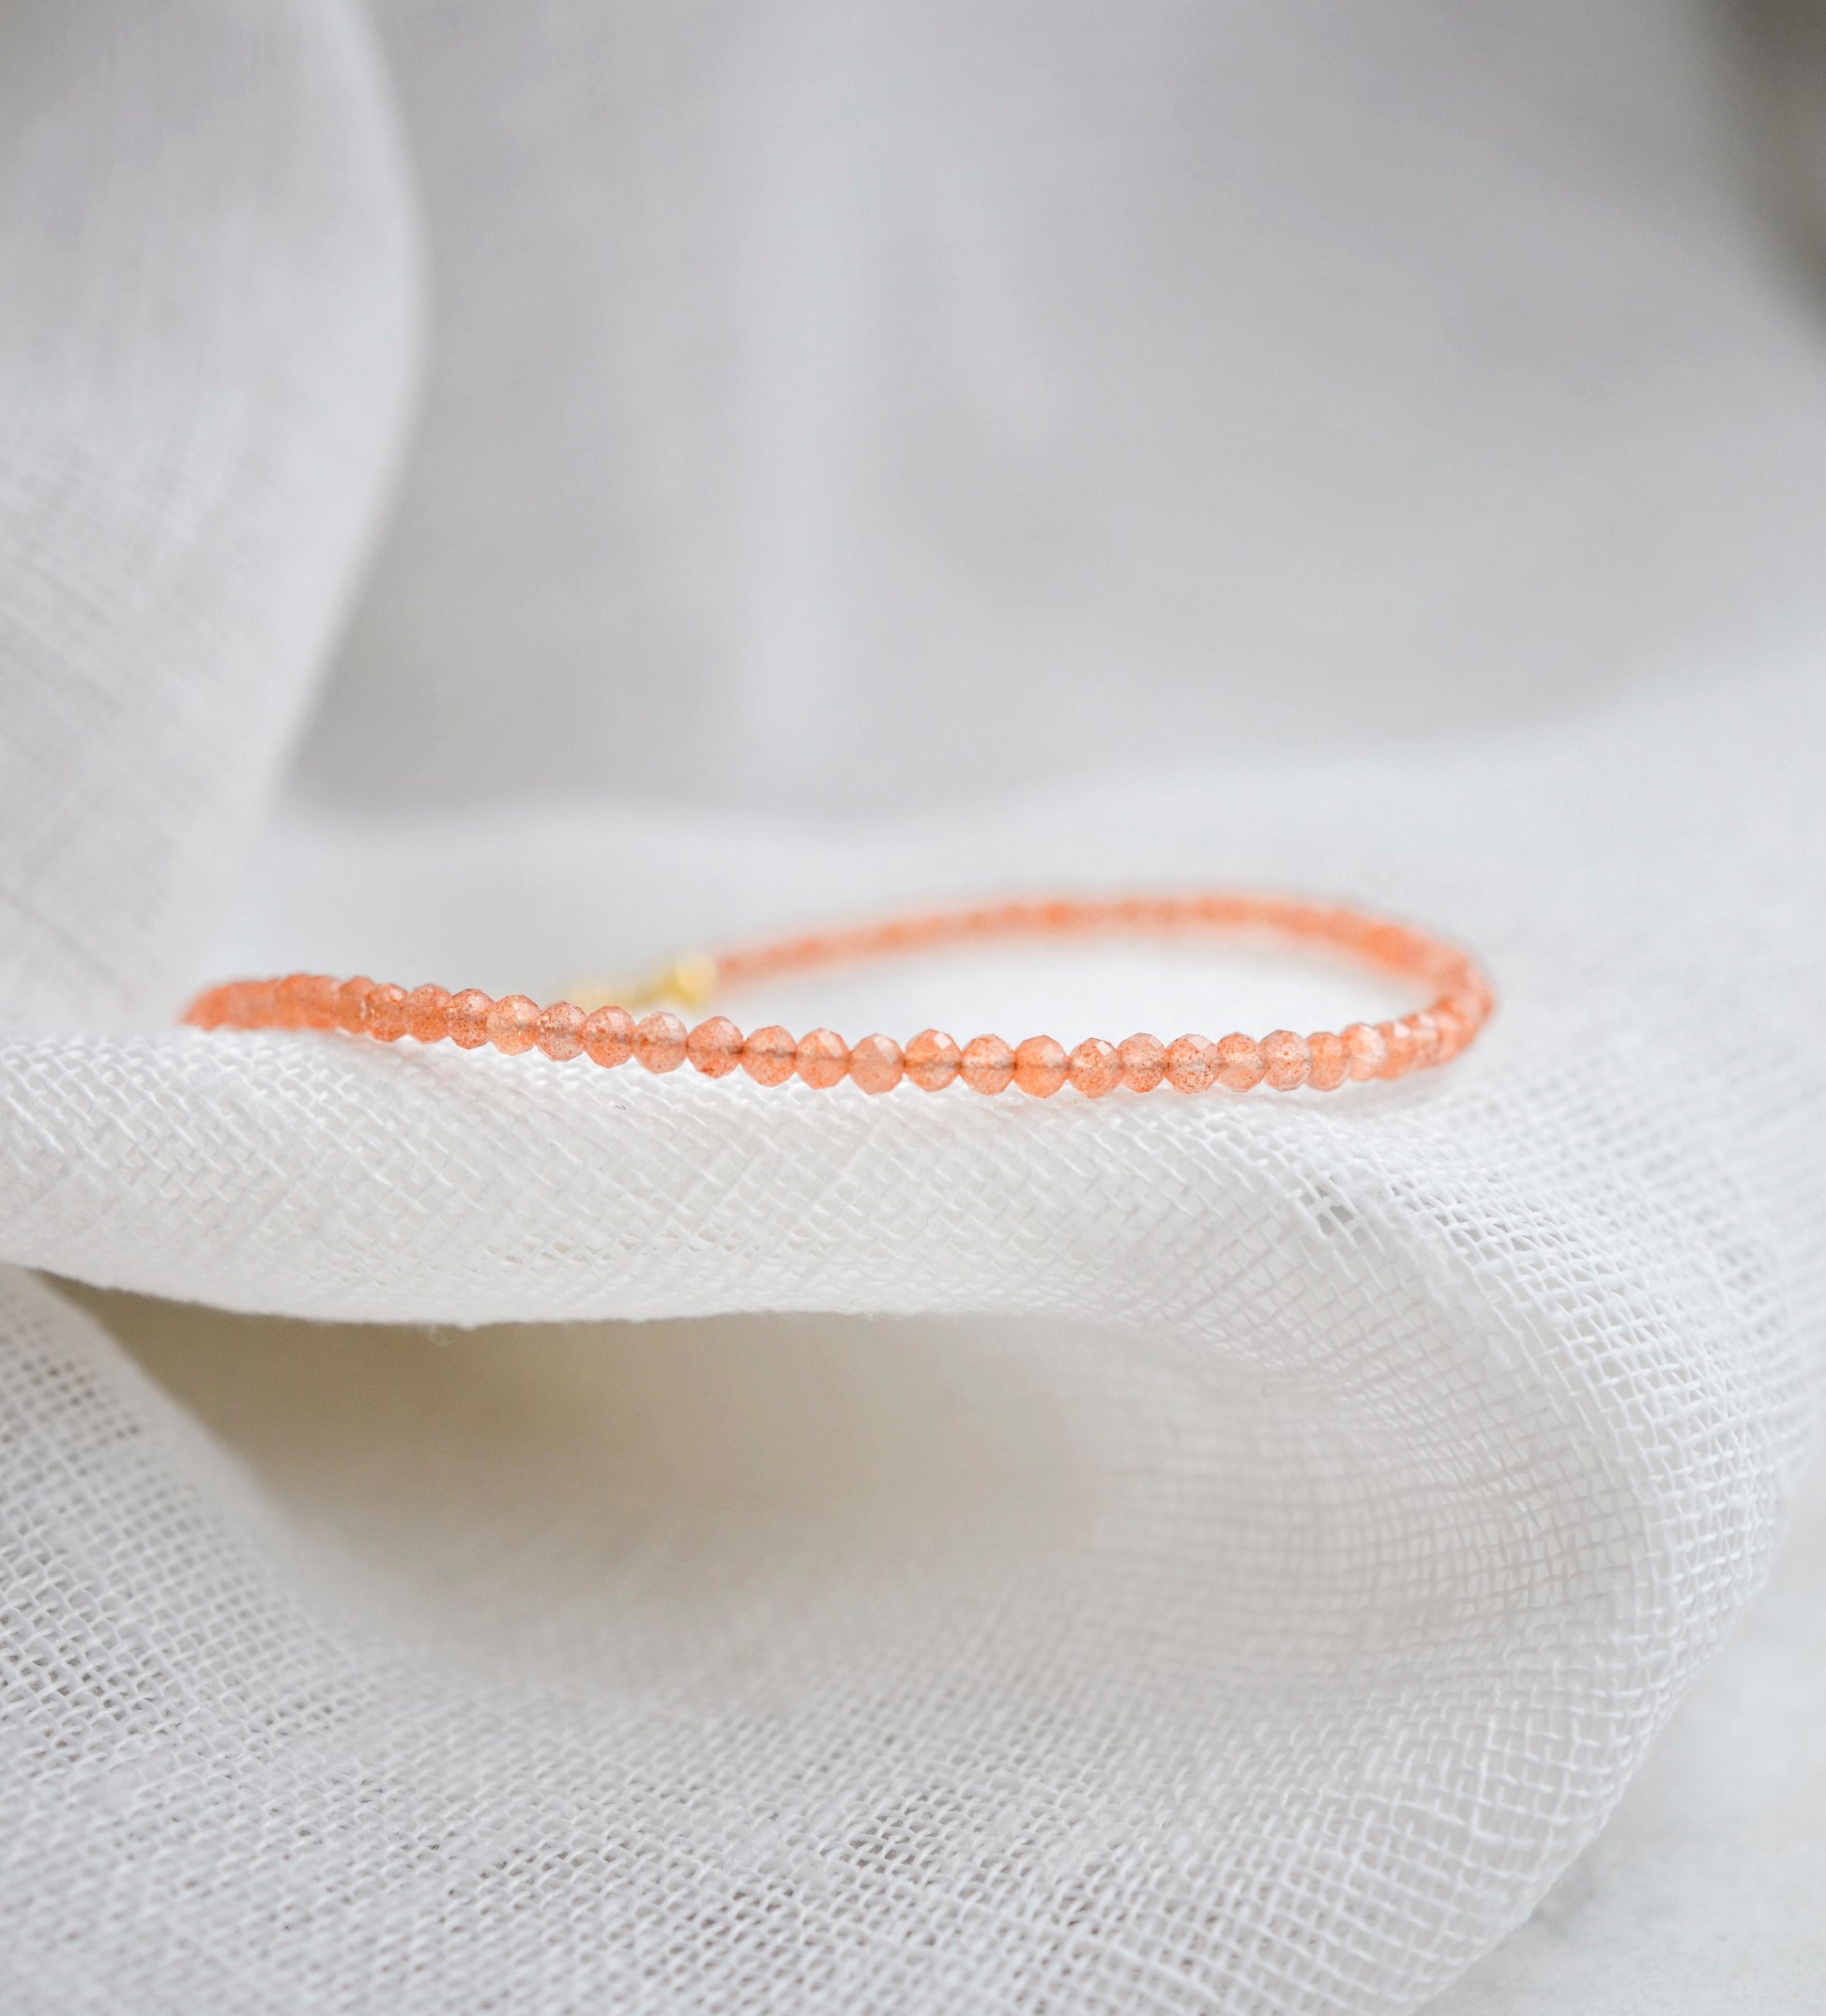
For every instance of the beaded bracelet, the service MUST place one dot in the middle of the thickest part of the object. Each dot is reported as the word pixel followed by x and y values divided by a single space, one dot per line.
pixel 608 1033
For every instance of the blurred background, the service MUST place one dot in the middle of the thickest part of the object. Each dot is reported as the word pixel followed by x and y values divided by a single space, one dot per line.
pixel 849 406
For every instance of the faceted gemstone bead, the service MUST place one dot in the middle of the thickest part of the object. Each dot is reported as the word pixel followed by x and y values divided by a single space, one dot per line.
pixel 1454 1029
pixel 660 1041
pixel 320 1002
pixel 715 1046
pixel 349 998
pixel 822 1058
pixel 932 1059
pixel 1331 1065
pixel 1286 1060
pixel 876 1064
pixel 560 1031
pixel 1425 1032
pixel 1040 1066
pixel 987 1065
pixel 1239 1064
pixel 307 1001
pixel 1462 987
pixel 513 1024
pixel 1191 1064
pixel 608 1036
pixel 288 1006
pixel 770 1055
pixel 382 1012
pixel 1366 1050
pixel 427 1015
pixel 1389 945
pixel 1144 1062
pixel 469 1018
pixel 208 1010
pixel 1398 1048
pixel 1095 1068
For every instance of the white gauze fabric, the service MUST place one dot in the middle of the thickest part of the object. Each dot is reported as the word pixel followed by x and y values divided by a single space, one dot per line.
pixel 1282 1599
pixel 207 304
pixel 1253 1545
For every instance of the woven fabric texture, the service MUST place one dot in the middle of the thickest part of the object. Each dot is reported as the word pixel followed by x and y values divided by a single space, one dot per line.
pixel 1293 1576
pixel 1169 1555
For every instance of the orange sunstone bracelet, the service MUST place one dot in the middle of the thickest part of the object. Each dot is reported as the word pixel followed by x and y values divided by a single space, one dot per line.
pixel 609 1035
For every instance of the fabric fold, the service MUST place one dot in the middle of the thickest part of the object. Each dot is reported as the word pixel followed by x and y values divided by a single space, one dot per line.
pixel 1418 1442
pixel 209 262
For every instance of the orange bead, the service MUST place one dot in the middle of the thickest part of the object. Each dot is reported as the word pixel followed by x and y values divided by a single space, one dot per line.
pixel 257 1004
pixel 1367 1050
pixel 770 1055
pixel 1392 946
pixel 427 1015
pixel 1239 1064
pixel 209 1010
pixel 822 1058
pixel 1144 1062
pixel 469 1018
pixel 1330 1064
pixel 288 1008
pixel 305 1000
pixel 715 1046
pixel 876 1064
pixel 1398 1048
pixel 320 1002
pixel 1286 1060
pixel 1040 1066
pixel 513 1024
pixel 1454 1028
pixel 660 1041
pixel 1425 1032
pixel 560 1031
pixel 1191 1064
pixel 1095 1068
pixel 986 1065
pixel 608 1036
pixel 932 1059
pixel 382 1012
pixel 349 998
pixel 1459 1022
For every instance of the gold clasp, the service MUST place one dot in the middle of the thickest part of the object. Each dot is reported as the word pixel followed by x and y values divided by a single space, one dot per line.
pixel 689 982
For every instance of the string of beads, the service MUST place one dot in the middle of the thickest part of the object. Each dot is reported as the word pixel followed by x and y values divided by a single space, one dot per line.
pixel 610 1034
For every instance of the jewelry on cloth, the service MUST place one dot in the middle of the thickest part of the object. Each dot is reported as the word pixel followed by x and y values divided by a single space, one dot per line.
pixel 604 1030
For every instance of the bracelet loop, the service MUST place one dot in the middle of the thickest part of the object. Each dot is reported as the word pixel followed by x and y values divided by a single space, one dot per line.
pixel 599 1023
